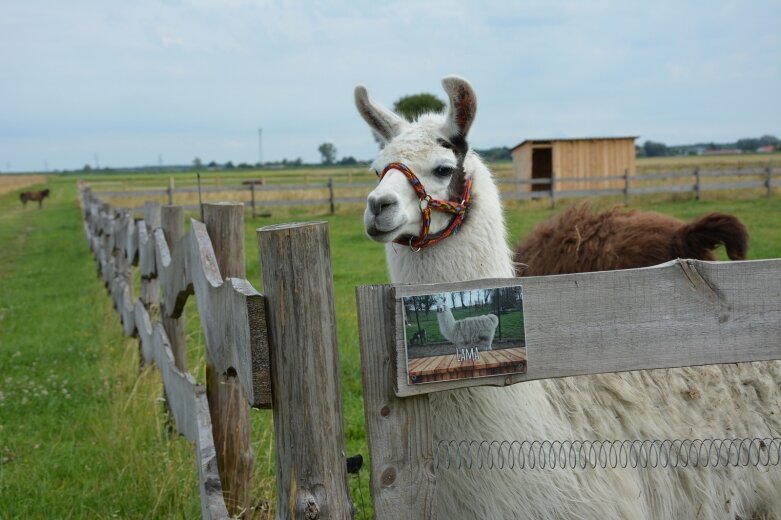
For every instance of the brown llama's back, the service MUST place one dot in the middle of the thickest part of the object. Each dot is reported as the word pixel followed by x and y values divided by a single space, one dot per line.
pixel 580 240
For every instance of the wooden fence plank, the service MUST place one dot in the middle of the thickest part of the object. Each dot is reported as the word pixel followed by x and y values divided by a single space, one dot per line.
pixel 308 419
pixel 614 321
pixel 230 317
pixel 174 273
pixel 403 484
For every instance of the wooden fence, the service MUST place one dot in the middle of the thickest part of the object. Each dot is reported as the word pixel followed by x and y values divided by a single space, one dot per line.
pixel 246 333
pixel 715 313
pixel 331 193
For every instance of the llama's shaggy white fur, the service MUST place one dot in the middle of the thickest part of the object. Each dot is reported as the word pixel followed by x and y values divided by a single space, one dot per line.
pixel 474 331
pixel 705 402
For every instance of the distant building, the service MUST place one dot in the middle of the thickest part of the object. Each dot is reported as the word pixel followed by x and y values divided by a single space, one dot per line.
pixel 723 151
pixel 571 161
pixel 766 149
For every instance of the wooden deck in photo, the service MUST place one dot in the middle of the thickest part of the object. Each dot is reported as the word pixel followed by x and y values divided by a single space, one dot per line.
pixel 448 367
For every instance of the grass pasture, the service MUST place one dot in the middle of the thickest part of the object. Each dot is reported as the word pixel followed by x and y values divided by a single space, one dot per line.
pixel 82 432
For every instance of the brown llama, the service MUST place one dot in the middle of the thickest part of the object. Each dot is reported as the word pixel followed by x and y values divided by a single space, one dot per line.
pixel 580 240
pixel 33 195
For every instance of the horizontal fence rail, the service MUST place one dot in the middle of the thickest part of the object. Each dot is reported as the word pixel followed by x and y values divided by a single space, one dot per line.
pixel 331 193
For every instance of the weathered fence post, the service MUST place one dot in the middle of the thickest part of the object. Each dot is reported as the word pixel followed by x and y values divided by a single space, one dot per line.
pixel 252 190
pixel 331 194
pixel 170 191
pixel 403 482
pixel 626 187
pixel 308 423
pixel 697 183
pixel 769 179
pixel 228 404
pixel 553 190
pixel 172 222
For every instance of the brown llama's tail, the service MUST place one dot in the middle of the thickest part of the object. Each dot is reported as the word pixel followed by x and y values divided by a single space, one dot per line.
pixel 699 238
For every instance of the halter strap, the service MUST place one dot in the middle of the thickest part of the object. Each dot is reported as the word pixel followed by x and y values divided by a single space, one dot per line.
pixel 458 210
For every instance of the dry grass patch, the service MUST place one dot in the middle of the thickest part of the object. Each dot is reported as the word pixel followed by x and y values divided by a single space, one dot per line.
pixel 9 183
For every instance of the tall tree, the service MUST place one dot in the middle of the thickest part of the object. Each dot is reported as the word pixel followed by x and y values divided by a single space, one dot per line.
pixel 653 149
pixel 327 152
pixel 411 107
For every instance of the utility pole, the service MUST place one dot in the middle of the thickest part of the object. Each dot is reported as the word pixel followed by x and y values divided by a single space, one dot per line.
pixel 260 147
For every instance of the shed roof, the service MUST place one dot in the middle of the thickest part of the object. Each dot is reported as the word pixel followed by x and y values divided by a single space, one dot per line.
pixel 551 140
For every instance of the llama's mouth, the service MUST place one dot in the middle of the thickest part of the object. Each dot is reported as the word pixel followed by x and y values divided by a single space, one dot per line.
pixel 381 235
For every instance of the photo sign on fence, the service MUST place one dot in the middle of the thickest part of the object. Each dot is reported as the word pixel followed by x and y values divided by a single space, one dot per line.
pixel 464 334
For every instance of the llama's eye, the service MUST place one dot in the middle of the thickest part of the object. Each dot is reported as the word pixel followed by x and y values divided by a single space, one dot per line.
pixel 443 171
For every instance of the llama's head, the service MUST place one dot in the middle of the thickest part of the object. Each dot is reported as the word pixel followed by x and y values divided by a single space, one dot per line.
pixel 423 164
pixel 441 304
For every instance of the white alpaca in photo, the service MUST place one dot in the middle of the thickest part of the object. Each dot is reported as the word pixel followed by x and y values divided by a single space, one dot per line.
pixel 474 331
pixel 736 400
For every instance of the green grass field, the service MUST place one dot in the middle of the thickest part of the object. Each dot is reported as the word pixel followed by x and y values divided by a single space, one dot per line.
pixel 82 432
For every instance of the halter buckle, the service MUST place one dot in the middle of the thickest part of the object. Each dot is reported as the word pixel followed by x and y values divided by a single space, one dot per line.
pixel 424 202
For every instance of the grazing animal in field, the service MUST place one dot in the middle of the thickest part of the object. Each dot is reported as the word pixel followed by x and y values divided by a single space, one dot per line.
pixel 419 337
pixel 34 195
pixel 438 212
pixel 474 331
pixel 580 240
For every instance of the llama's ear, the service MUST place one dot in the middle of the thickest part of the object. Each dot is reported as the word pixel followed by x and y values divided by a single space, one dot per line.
pixel 463 105
pixel 386 124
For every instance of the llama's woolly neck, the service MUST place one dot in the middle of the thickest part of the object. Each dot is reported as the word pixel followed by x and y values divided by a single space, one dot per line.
pixel 446 322
pixel 478 250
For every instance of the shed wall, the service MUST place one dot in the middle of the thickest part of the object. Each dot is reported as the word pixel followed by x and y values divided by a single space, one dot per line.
pixel 581 159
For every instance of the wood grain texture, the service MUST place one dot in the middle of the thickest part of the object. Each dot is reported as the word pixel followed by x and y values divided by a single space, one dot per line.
pixel 403 483
pixel 234 330
pixel 308 420
pixel 681 313
pixel 227 400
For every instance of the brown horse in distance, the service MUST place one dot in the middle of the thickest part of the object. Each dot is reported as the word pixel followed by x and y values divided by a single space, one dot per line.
pixel 34 195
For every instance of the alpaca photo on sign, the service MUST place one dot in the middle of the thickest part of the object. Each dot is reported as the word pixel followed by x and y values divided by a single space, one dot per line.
pixel 464 334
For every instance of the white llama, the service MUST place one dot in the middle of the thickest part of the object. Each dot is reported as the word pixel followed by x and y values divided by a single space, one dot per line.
pixel 474 331
pixel 705 402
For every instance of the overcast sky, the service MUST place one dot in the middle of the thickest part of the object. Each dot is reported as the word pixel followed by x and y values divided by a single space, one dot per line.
pixel 133 82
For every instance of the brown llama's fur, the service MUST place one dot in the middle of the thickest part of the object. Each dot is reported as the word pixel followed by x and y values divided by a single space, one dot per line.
pixel 580 240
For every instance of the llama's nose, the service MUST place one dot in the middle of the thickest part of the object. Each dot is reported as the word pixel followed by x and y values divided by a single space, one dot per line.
pixel 382 203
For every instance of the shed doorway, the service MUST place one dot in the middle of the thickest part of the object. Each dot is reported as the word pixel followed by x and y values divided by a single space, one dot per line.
pixel 542 167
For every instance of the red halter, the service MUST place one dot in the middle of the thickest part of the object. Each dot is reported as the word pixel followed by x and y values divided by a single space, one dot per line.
pixel 457 209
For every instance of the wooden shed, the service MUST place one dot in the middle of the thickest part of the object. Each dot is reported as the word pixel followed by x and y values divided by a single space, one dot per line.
pixel 566 161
